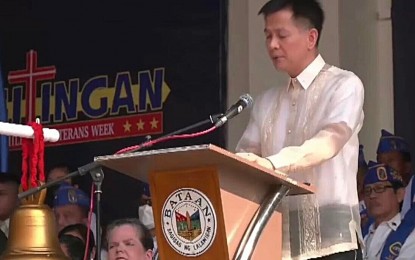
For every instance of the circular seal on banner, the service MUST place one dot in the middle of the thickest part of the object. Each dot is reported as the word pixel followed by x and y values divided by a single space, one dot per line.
pixel 189 222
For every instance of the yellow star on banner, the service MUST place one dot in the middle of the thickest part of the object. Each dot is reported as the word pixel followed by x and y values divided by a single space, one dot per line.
pixel 154 123
pixel 140 125
pixel 127 126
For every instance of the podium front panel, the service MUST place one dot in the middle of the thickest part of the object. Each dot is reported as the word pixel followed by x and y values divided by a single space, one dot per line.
pixel 188 214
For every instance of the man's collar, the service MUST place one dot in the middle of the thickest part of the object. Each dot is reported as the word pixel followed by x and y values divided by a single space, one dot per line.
pixel 307 76
pixel 393 223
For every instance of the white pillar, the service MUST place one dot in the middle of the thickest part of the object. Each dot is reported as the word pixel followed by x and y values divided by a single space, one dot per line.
pixel 366 49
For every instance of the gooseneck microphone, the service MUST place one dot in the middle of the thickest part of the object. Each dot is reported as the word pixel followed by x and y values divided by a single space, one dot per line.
pixel 245 101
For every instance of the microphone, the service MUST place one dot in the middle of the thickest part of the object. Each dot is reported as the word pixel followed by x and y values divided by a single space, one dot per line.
pixel 245 101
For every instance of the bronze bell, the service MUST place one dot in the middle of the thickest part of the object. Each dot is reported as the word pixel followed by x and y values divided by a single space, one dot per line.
pixel 32 235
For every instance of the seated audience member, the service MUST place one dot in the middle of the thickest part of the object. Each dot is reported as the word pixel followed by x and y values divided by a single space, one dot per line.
pixel 72 247
pixel 394 152
pixel 56 172
pixel 129 239
pixel 81 231
pixel 9 190
pixel 70 206
pixel 384 192
pixel 59 171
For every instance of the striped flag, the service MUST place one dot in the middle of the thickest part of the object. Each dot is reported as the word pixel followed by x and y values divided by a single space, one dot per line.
pixel 4 140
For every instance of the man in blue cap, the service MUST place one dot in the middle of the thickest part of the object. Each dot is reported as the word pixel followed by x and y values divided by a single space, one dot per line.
pixel 394 151
pixel 70 206
pixel 386 239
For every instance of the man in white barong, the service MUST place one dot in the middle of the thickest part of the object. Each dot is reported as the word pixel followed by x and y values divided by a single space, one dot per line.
pixel 309 130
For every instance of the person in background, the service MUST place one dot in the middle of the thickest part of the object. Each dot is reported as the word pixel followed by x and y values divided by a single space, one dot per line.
pixel 70 206
pixel 72 247
pixel 56 172
pixel 129 239
pixel 389 237
pixel 309 129
pixel 81 231
pixel 394 151
pixel 59 171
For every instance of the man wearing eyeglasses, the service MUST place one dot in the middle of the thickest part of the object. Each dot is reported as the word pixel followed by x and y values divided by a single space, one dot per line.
pixel 383 192
pixel 394 151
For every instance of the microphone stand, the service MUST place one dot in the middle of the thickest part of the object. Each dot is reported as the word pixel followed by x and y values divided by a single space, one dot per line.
pixel 97 175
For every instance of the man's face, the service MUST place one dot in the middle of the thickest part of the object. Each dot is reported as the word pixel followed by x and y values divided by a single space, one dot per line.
pixel 8 199
pixel 58 173
pixel 69 215
pixel 385 202
pixel 288 41
pixel 396 161
pixel 124 243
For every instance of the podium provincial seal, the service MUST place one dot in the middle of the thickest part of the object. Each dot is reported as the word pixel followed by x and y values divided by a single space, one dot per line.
pixel 189 222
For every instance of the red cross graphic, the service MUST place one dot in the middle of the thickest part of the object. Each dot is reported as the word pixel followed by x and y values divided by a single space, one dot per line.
pixel 30 76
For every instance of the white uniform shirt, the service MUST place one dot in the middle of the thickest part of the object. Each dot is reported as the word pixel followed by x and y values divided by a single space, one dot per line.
pixel 376 238
pixel 408 200
pixel 310 131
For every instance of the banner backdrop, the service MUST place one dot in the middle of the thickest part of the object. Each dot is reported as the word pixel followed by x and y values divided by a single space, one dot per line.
pixel 108 74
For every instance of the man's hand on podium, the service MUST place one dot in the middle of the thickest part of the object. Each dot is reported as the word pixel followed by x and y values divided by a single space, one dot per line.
pixel 264 162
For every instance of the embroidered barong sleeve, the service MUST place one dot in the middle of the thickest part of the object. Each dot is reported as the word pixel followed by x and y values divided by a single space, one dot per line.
pixel 344 117
pixel 250 141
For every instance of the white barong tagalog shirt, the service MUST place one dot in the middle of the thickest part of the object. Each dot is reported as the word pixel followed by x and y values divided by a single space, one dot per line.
pixel 310 131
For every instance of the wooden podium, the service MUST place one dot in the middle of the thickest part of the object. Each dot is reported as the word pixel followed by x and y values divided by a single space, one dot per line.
pixel 209 203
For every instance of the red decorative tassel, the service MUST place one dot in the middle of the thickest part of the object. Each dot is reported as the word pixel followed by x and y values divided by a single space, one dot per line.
pixel 33 164
pixel 26 148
